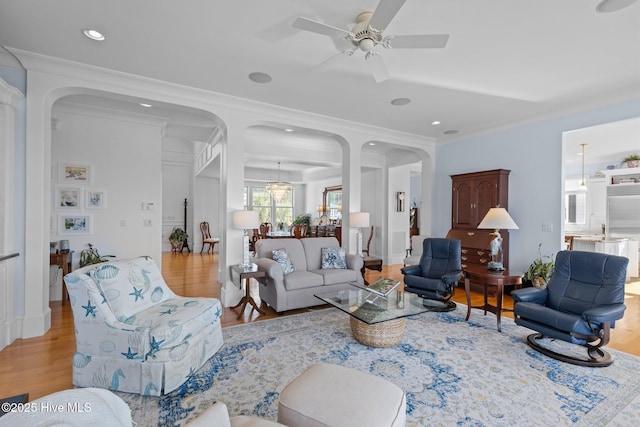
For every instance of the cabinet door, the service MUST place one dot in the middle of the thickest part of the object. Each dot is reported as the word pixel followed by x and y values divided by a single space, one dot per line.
pixel 462 211
pixel 485 198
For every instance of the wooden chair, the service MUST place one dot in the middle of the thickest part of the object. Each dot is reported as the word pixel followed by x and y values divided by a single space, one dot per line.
pixel 365 250
pixel 265 228
pixel 206 237
pixel 253 239
pixel 568 241
pixel 298 231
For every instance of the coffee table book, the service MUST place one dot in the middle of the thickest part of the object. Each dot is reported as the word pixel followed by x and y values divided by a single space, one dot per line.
pixel 383 286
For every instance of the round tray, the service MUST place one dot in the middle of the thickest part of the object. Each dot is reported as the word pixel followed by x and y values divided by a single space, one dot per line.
pixel 383 334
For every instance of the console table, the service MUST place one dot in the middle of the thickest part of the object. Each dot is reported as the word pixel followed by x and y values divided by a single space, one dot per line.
pixel 65 261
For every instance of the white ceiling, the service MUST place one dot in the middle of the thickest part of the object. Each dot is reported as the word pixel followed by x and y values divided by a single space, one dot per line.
pixel 506 60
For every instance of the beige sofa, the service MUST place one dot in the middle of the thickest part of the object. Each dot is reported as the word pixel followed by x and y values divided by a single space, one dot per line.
pixel 297 289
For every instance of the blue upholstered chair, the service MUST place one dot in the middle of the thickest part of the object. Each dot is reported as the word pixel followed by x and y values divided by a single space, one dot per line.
pixel 580 304
pixel 436 275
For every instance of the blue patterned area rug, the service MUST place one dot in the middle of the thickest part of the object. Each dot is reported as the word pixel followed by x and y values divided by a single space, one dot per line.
pixel 454 373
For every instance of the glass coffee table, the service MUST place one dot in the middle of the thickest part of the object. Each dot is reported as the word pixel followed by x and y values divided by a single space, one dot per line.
pixel 376 321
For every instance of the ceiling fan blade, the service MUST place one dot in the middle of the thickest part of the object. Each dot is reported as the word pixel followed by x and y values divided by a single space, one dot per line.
pixel 378 67
pixel 425 41
pixel 319 28
pixel 384 13
pixel 327 63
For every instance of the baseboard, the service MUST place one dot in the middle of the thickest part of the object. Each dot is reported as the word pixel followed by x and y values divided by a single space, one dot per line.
pixel 29 327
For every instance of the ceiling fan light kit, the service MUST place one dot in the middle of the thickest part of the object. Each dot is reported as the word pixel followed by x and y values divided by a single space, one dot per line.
pixel 367 34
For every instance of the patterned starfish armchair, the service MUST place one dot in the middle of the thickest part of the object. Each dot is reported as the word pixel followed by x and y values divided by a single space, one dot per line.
pixel 133 333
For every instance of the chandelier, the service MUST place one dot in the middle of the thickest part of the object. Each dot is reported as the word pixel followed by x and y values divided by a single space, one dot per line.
pixel 280 189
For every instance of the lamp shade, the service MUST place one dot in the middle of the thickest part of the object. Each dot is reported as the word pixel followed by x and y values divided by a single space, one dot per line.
pixel 244 220
pixel 498 218
pixel 359 219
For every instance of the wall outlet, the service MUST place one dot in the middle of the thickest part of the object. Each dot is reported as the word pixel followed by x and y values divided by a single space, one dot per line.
pixel 547 227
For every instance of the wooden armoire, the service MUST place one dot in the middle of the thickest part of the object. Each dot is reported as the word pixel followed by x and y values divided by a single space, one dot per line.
pixel 473 194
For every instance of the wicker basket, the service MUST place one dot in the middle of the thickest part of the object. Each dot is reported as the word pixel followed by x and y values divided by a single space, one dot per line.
pixel 383 334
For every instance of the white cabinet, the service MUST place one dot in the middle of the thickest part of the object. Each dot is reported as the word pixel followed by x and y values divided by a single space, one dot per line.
pixel 617 247
pixel 597 204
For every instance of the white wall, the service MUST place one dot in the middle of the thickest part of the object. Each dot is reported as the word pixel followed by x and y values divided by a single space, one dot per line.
pixel 533 152
pixel 125 159
pixel 372 202
pixel 398 224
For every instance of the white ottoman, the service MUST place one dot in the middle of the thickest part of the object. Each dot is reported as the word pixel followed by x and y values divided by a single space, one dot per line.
pixel 330 396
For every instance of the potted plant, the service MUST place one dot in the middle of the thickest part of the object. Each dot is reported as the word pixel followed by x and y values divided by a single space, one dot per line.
pixel 92 256
pixel 540 270
pixel 632 160
pixel 177 238
pixel 303 219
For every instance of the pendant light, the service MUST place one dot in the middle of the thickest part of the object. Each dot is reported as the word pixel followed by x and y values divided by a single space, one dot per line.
pixel 280 189
pixel 583 185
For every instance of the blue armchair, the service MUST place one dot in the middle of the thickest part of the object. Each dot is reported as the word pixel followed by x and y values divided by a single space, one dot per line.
pixel 579 305
pixel 435 276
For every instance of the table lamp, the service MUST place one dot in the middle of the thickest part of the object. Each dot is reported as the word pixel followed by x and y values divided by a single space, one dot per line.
pixel 359 220
pixel 497 218
pixel 245 220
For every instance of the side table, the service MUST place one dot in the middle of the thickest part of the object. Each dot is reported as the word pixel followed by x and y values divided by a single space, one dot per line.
pixel 480 274
pixel 371 263
pixel 247 273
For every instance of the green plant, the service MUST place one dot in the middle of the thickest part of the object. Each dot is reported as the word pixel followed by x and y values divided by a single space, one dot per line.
pixel 92 256
pixel 540 270
pixel 631 157
pixel 303 219
pixel 177 236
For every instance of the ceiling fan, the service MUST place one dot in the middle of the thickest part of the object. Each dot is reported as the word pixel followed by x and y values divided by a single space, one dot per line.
pixel 367 34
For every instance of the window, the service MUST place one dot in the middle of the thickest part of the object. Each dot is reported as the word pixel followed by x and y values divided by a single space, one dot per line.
pixel 268 209
pixel 575 208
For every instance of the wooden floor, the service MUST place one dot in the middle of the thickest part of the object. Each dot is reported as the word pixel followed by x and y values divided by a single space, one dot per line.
pixel 42 365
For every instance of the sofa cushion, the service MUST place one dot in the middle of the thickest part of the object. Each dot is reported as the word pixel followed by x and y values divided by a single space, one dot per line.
pixel 292 246
pixel 131 286
pixel 282 257
pixel 188 317
pixel 333 258
pixel 302 279
pixel 313 250
pixel 335 276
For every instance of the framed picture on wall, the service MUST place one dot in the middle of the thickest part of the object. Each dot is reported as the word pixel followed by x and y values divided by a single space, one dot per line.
pixel 67 197
pixel 77 173
pixel 95 199
pixel 75 224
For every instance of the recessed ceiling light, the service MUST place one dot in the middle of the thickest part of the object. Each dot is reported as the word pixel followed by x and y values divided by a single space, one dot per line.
pixel 146 105
pixel 288 130
pixel 435 123
pixel 372 143
pixel 451 132
pixel 94 35
pixel 259 77
pixel 400 101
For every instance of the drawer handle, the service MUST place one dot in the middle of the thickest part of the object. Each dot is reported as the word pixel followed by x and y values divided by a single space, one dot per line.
pixel 464 251
pixel 480 253
pixel 464 265
pixel 471 233
pixel 464 258
pixel 483 261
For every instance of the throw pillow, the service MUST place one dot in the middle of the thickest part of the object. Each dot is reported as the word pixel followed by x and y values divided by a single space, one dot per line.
pixel 282 257
pixel 333 258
